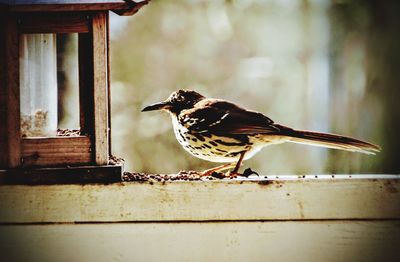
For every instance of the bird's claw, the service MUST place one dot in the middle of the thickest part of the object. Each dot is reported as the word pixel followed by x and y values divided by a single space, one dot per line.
pixel 232 175
pixel 218 175
pixel 228 174
pixel 248 172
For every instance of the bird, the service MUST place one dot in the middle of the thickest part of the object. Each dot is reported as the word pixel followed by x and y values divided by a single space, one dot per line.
pixel 220 131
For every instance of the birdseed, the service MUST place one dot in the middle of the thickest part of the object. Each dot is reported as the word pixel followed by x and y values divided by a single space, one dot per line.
pixel 181 176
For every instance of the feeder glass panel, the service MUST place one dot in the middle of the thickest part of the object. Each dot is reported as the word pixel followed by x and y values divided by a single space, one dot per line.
pixel 38 85
pixel 68 81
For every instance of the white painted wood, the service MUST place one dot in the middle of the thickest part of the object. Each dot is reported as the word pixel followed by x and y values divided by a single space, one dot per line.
pixel 273 199
pixel 229 241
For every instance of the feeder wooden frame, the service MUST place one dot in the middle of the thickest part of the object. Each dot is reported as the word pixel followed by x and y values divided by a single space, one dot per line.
pixel 93 147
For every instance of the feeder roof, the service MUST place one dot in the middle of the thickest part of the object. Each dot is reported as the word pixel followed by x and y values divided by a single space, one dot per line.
pixel 121 7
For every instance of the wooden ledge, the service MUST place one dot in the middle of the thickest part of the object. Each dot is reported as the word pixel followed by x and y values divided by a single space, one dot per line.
pixel 368 197
pixel 61 175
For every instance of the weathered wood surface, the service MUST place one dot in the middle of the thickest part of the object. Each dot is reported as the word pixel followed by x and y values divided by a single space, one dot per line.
pixel 108 84
pixel 230 241
pixel 51 151
pixel 85 57
pixel 53 23
pixel 73 6
pixel 276 199
pixel 47 2
pixel 100 92
pixel 9 94
pixel 61 175
pixel 3 94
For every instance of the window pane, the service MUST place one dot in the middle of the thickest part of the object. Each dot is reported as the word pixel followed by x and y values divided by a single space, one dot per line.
pixel 38 84
pixel 49 83
pixel 68 81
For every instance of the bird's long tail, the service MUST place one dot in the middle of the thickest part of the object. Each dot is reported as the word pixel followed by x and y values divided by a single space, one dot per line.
pixel 331 141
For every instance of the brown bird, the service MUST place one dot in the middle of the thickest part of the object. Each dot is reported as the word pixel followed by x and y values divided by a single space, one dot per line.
pixel 220 131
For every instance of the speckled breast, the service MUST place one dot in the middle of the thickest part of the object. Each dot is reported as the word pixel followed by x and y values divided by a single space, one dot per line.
pixel 211 147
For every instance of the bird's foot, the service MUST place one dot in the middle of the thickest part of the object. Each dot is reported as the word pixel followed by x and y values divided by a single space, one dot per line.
pixel 221 175
pixel 231 174
pixel 248 172
pixel 216 170
pixel 210 173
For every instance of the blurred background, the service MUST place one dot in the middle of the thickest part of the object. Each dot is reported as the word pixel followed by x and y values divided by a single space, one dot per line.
pixel 322 65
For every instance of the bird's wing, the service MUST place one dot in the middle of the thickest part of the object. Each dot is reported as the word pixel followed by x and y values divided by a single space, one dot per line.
pixel 222 117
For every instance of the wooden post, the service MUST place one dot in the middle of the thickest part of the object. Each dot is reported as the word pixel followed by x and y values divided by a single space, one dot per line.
pixel 100 88
pixel 85 83
pixel 10 138
pixel 108 85
pixel 3 95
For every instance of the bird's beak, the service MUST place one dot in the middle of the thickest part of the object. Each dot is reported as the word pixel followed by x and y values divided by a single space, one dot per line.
pixel 156 106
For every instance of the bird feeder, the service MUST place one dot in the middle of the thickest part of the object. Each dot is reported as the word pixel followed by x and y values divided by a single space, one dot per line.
pixel 30 36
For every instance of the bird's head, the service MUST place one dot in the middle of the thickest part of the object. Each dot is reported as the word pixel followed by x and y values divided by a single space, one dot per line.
pixel 176 102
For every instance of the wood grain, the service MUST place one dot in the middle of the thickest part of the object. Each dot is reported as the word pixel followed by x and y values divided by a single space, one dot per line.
pixel 10 136
pixel 99 27
pixel 329 241
pixel 56 151
pixel 108 86
pixel 85 56
pixel 297 199
pixel 53 23
pixel 61 175
pixel 119 7
pixel 3 94
pixel 68 7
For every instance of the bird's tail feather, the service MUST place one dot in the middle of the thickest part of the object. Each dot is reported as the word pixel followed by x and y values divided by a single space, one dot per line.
pixel 332 141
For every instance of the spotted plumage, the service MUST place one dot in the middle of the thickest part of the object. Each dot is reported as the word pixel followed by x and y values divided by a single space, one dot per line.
pixel 220 131
pixel 209 147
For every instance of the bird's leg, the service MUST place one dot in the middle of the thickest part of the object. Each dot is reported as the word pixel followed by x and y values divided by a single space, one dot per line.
pixel 210 171
pixel 234 172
